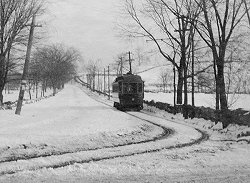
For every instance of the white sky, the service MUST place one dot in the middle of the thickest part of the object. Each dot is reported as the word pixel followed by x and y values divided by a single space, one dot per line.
pixel 88 25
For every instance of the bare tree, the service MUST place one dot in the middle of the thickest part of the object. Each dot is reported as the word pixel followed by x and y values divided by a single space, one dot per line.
pixel 119 65
pixel 217 27
pixel 15 16
pixel 158 14
pixel 165 77
pixel 92 69
pixel 205 82
pixel 247 11
pixel 55 65
pixel 169 24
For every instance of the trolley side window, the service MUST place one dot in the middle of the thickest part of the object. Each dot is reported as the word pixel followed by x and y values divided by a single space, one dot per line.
pixel 115 87
pixel 140 86
pixel 120 87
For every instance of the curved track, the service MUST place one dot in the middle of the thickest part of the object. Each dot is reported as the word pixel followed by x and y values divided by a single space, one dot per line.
pixel 84 156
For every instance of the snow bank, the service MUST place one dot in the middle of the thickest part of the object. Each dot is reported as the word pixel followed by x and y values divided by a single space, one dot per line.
pixel 233 132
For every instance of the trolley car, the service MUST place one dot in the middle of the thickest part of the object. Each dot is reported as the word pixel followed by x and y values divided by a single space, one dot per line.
pixel 128 92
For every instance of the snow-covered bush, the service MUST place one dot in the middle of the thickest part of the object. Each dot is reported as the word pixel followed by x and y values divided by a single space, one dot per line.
pixel 238 116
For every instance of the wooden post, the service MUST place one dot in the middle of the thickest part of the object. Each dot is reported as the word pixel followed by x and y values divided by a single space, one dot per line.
pixel 108 83
pixel 25 69
pixel 98 82
pixel 192 69
pixel 104 89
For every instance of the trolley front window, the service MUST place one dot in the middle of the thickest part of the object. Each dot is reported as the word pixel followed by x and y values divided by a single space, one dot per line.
pixel 120 87
pixel 129 87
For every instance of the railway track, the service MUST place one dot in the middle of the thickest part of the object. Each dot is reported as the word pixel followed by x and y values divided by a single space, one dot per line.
pixel 204 135
pixel 15 165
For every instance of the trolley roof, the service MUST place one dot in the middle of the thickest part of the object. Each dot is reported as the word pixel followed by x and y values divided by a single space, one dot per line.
pixel 130 78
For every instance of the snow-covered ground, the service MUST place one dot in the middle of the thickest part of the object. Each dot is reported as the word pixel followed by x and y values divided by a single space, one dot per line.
pixel 81 133
pixel 202 99
pixel 12 95
pixel 68 122
pixel 153 77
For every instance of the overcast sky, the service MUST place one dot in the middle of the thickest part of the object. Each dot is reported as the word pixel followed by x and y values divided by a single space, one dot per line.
pixel 88 25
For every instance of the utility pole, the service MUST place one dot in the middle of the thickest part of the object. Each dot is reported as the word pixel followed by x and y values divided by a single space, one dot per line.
pixel 185 115
pixel 174 91
pixel 192 47
pixel 25 69
pixel 108 83
pixel 98 82
pixel 104 88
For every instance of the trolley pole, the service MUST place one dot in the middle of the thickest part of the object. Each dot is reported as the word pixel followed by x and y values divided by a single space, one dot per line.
pixel 121 65
pixel 130 67
pixel 25 69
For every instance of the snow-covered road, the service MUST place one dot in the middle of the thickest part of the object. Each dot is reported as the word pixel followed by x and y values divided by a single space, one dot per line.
pixel 69 122
pixel 66 116
pixel 79 132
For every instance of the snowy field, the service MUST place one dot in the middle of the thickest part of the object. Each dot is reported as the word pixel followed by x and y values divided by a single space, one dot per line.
pixel 77 136
pixel 12 95
pixel 202 99
pixel 151 77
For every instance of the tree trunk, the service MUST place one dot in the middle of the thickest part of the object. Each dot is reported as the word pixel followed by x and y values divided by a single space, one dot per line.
pixel 222 88
pixel 30 93
pixel 45 86
pixel 180 86
pixel 2 82
pixel 185 112
pixel 54 91
pixel 36 89
pixel 217 87
pixel 93 82
pixel 1 96
pixel 225 116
